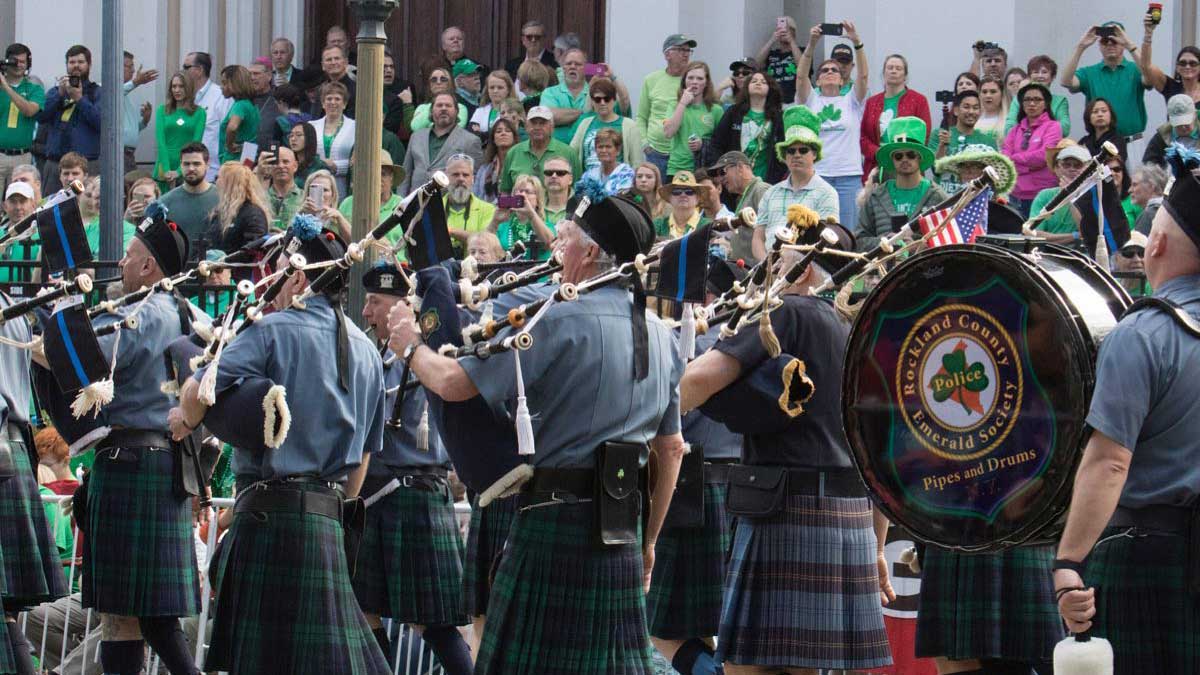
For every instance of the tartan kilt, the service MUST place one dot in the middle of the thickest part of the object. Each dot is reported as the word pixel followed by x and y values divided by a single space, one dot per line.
pixel 1143 606
pixel 689 572
pixel 485 540
pixel 139 557
pixel 284 601
pixel 33 572
pixel 988 606
pixel 803 589
pixel 8 664
pixel 562 603
pixel 409 564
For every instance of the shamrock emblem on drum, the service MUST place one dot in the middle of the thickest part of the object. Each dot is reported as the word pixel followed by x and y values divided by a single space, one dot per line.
pixel 958 381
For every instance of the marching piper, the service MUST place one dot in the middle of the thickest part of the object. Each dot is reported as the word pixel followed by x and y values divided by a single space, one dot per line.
pixel 409 566
pixel 568 592
pixel 284 600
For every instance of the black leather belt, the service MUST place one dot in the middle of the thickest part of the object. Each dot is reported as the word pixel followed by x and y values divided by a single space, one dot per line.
pixel 435 471
pixel 716 472
pixel 314 498
pixel 14 153
pixel 135 438
pixel 843 483
pixel 1173 519
pixel 561 483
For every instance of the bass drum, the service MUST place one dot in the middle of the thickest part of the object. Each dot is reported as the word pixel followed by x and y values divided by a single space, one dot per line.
pixel 967 382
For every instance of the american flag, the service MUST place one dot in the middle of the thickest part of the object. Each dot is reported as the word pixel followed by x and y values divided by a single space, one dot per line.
pixel 964 228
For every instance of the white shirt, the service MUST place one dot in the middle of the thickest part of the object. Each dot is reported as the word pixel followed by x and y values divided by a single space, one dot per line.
pixel 215 107
pixel 841 117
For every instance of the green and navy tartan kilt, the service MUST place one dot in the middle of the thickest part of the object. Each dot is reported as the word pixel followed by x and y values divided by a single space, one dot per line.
pixel 689 572
pixel 564 604
pixel 139 556
pixel 988 606
pixel 33 572
pixel 285 603
pixel 485 540
pixel 409 564
pixel 8 664
pixel 803 589
pixel 1143 606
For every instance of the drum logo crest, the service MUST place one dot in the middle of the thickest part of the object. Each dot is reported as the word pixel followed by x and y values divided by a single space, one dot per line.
pixel 959 382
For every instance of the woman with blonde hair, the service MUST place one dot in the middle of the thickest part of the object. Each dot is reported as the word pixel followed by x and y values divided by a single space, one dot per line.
pixel 498 87
pixel 242 212
pixel 177 122
pixel 696 115
pixel 532 79
pixel 526 223
pixel 646 181
pixel 325 207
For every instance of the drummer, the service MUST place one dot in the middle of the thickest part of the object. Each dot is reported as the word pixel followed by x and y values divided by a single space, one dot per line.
pixel 1126 569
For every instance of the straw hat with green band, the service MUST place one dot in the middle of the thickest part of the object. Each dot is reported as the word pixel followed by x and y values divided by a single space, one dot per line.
pixel 800 126
pixel 986 155
pixel 904 133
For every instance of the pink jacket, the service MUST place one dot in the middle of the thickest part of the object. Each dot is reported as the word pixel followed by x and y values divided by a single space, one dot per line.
pixel 1033 175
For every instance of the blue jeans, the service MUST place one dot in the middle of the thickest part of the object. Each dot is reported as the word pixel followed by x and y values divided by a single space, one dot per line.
pixel 847 189
pixel 658 159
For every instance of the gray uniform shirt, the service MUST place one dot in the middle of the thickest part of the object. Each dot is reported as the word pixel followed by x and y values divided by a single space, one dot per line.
pixel 400 445
pixel 1147 398
pixel 14 370
pixel 579 380
pixel 700 430
pixel 331 428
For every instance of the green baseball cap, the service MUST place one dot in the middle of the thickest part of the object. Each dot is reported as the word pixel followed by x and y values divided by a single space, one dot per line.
pixel 466 67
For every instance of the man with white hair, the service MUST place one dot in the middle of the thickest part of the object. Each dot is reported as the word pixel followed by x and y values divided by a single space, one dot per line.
pixel 466 214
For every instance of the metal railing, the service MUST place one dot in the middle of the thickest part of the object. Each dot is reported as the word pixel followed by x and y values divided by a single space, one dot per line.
pixel 411 656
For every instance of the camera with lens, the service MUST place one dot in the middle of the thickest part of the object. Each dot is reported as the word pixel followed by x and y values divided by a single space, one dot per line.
pixel 982 45
pixel 74 80
pixel 9 62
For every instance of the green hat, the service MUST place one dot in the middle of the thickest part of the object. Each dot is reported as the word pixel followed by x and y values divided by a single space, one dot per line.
pixel 466 66
pixel 978 153
pixel 904 133
pixel 800 126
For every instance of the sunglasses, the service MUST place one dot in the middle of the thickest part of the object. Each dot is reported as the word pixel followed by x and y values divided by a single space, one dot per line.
pixel 1033 99
pixel 1133 252
pixel 533 36
pixel 831 71
pixel 798 150
pixel 683 192
pixel 904 154
pixel 555 172
pixel 1187 63
pixel 601 99
pixel 439 78
pixel 742 72
pixel 718 172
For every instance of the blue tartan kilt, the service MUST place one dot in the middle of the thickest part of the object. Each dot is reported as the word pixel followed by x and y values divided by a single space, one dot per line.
pixel 139 553
pixel 409 564
pixel 689 572
pixel 284 601
pixel 564 604
pixel 485 540
pixel 1143 606
pixel 33 571
pixel 803 589
pixel 988 606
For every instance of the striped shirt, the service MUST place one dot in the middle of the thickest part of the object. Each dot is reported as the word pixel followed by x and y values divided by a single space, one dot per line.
pixel 817 195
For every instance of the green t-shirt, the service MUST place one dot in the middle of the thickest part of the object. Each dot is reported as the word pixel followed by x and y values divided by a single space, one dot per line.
pixel 247 130
pixel 589 138
pixel 762 156
pixel 948 181
pixel 1059 223
pixel 891 104
pixel 660 93
pixel 91 230
pixel 698 121
pixel 559 96
pixel 905 200
pixel 16 130
pixel 1122 87
pixel 520 160
pixel 512 230
pixel 385 209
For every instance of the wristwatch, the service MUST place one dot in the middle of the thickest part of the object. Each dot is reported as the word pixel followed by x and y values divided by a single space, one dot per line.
pixel 408 353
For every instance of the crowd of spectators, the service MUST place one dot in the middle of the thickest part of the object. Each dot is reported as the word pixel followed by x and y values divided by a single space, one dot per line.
pixel 241 151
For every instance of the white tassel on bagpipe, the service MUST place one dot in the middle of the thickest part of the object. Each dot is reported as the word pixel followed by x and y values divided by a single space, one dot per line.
pixel 687 332
pixel 524 422
pixel 423 430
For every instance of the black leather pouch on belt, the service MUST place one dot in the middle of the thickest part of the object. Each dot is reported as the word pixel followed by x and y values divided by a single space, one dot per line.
pixel 618 500
pixel 354 522
pixel 687 502
pixel 756 491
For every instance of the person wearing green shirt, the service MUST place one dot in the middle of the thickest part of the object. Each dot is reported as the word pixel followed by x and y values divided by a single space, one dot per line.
pixel 20 100
pixel 949 142
pixel 526 223
pixel 240 124
pixel 177 122
pixel 1042 70
pixel 905 156
pixel 528 157
pixel 390 175
pixel 569 98
pixel 1115 78
pixel 439 82
pixel 696 115
pixel 660 94
pixel 466 214
pixel 19 203
pixel 1062 226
